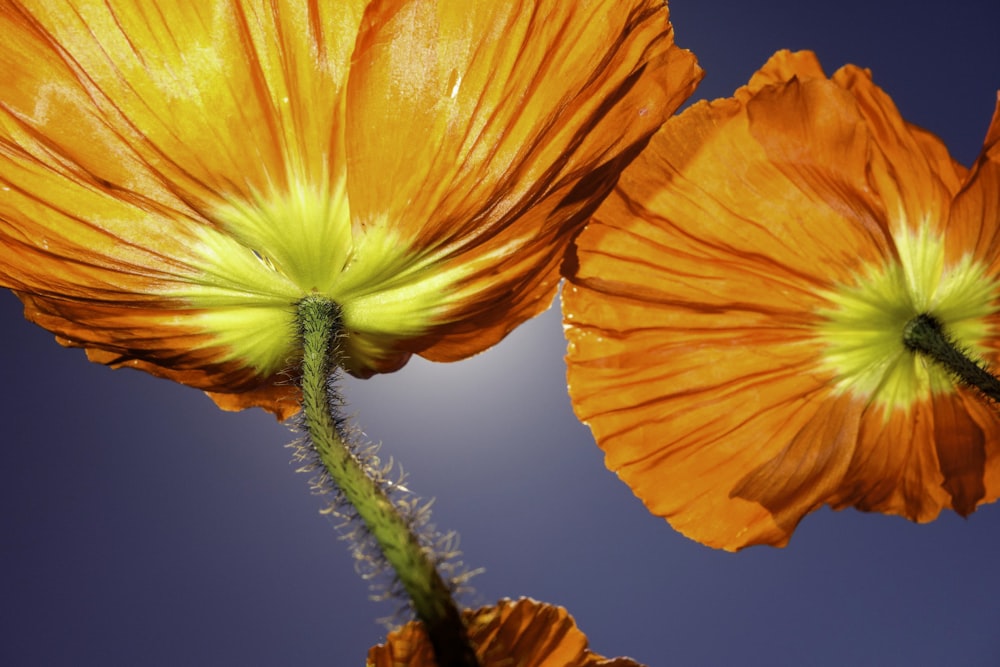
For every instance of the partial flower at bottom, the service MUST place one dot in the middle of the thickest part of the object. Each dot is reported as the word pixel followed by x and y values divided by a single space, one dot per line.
pixel 176 176
pixel 521 633
pixel 736 312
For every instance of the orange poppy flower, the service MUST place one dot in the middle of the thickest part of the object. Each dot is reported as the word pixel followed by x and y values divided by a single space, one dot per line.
pixel 524 633
pixel 737 308
pixel 176 176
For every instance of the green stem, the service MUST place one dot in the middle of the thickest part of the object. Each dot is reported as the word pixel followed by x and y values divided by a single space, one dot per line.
pixel 319 322
pixel 924 334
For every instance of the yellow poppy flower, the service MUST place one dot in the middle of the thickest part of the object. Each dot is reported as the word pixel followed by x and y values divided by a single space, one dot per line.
pixel 738 305
pixel 176 176
pixel 524 632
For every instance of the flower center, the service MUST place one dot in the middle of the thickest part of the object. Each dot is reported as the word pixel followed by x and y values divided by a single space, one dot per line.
pixel 863 327
pixel 268 252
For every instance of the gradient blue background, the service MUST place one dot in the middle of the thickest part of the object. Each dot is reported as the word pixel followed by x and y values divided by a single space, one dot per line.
pixel 140 525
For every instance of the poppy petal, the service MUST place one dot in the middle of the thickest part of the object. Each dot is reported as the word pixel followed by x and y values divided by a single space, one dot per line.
pixel 522 632
pixel 511 164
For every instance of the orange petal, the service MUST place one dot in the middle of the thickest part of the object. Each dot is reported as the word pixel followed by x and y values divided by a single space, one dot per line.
pixel 960 443
pixel 912 171
pixel 780 68
pixel 523 633
pixel 940 455
pixel 214 97
pixel 975 216
pixel 520 117
pixel 148 338
pixel 694 299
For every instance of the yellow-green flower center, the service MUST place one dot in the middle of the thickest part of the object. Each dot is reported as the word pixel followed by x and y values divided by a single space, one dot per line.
pixel 269 252
pixel 863 327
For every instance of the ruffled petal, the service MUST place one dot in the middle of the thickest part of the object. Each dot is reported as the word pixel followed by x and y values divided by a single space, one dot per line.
pixel 705 349
pixel 215 98
pixel 941 454
pixel 521 116
pixel 148 338
pixel 974 223
pixel 912 171
pixel 523 633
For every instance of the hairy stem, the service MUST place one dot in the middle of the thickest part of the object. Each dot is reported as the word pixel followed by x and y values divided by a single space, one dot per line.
pixel 320 326
pixel 924 334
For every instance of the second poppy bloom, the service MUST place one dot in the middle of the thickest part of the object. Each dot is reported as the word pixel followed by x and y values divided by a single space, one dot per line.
pixel 737 309
pixel 176 176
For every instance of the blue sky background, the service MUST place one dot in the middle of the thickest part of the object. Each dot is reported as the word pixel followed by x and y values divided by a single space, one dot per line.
pixel 140 525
